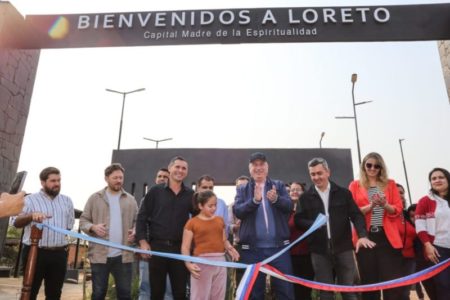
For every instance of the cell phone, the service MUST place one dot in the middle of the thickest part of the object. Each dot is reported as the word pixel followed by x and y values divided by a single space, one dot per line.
pixel 18 182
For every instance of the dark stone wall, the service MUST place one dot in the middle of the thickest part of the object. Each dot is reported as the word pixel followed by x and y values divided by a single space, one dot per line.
pixel 17 75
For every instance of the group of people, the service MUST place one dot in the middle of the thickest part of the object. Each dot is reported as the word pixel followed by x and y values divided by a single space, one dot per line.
pixel 367 219
pixel 389 240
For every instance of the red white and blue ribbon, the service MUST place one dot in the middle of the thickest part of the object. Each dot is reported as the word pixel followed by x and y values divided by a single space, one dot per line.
pixel 252 271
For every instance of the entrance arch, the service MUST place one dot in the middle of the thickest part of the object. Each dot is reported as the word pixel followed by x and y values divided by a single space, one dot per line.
pixel 24 74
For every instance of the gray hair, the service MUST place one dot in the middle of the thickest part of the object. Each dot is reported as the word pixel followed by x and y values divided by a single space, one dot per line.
pixel 318 161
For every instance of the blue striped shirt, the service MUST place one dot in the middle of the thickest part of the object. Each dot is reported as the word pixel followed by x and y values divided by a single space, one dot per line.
pixel 62 215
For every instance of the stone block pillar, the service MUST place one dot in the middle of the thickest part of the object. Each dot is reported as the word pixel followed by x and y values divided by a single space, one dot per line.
pixel 17 74
pixel 444 52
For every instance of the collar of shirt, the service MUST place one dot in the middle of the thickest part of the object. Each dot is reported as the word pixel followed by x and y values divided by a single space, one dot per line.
pixel 327 190
pixel 325 196
pixel 46 196
pixel 105 196
pixel 167 186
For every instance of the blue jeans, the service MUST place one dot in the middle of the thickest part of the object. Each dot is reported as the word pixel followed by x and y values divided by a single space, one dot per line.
pixel 122 278
pixel 283 289
pixel 144 283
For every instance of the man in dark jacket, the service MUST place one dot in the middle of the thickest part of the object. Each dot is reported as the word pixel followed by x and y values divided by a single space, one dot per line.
pixel 263 206
pixel 159 227
pixel 331 246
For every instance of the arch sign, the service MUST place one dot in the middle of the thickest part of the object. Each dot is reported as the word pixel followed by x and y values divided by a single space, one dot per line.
pixel 228 26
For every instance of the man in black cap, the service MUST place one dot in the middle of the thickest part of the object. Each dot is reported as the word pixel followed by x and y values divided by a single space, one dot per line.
pixel 263 206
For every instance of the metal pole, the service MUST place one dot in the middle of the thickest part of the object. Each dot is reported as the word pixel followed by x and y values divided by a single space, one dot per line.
pixel 124 94
pixel 157 141
pixel 356 118
pixel 77 248
pixel 121 120
pixel 321 138
pixel 404 168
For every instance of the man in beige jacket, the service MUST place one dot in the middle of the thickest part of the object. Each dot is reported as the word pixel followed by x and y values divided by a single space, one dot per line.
pixel 110 214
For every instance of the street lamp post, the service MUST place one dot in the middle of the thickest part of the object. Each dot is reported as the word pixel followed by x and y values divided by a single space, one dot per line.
pixel 354 117
pixel 124 94
pixel 157 141
pixel 404 168
pixel 321 138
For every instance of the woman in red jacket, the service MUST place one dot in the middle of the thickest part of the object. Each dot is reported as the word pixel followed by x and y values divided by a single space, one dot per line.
pixel 379 200
pixel 433 226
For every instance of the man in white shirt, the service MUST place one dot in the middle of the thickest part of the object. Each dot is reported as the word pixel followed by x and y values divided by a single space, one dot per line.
pixel 47 206
pixel 331 247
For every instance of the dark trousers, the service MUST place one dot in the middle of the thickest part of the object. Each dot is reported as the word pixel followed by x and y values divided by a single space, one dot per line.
pixel 283 289
pixel 159 267
pixel 409 266
pixel 302 267
pixel 442 280
pixel 422 264
pixel 378 264
pixel 326 266
pixel 51 267
pixel 122 278
pixel 238 272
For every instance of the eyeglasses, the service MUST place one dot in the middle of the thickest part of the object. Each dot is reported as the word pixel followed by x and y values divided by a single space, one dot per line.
pixel 375 166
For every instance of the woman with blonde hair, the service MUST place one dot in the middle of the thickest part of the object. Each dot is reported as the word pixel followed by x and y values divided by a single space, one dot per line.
pixel 379 200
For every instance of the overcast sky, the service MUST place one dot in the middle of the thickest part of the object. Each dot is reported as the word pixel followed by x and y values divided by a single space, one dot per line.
pixel 233 96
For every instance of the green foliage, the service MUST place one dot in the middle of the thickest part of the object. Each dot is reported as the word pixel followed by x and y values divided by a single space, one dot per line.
pixel 14 233
pixel 111 294
pixel 9 256
pixel 135 288
pixel 10 251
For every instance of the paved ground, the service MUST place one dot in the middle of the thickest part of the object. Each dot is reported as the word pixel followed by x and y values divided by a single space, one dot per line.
pixel 10 290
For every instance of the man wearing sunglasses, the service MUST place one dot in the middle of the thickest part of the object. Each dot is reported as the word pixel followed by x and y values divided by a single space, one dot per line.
pixel 331 246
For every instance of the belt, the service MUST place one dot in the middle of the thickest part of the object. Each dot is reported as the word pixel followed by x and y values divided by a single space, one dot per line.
pixel 61 248
pixel 265 244
pixel 165 242
pixel 375 229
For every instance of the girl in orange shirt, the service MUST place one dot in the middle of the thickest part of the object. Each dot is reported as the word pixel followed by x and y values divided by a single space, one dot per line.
pixel 206 233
